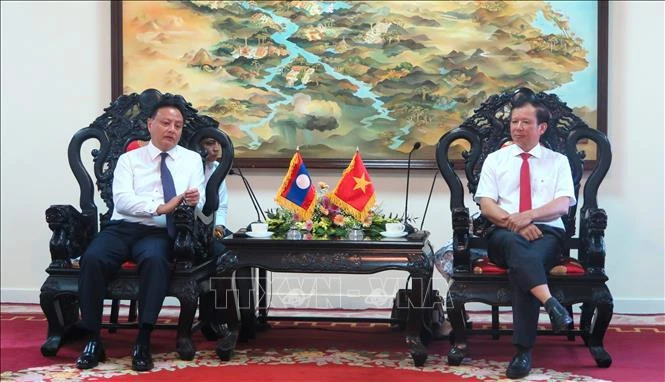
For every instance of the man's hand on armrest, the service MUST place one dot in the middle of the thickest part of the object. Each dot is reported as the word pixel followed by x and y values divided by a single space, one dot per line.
pixel 493 212
pixel 550 211
pixel 219 231
pixel 518 221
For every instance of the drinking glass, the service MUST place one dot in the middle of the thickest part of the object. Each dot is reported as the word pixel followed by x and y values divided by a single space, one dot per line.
pixel 294 233
pixel 356 233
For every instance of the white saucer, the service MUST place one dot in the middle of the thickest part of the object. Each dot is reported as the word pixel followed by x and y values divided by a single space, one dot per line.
pixel 393 234
pixel 259 234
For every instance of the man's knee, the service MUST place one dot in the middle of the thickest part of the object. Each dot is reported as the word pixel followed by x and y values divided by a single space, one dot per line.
pixel 94 257
pixel 154 259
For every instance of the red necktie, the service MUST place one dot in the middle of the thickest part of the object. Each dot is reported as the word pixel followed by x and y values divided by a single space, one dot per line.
pixel 525 183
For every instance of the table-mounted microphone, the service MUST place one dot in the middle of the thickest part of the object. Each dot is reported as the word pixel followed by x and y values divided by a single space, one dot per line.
pixel 408 227
pixel 422 222
pixel 252 196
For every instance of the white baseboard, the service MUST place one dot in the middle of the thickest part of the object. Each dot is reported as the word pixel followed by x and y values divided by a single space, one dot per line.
pixel 326 301
pixel 639 305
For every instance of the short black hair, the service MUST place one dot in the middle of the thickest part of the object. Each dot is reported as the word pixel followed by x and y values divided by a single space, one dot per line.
pixel 543 114
pixel 168 100
pixel 202 141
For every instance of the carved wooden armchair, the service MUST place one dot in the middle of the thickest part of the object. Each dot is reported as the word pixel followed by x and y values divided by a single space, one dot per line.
pixel 572 282
pixel 122 126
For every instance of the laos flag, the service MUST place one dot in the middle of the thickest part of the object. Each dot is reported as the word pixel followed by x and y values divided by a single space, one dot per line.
pixel 297 192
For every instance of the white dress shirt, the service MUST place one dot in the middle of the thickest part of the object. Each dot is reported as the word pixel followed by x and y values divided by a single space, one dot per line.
pixel 137 185
pixel 220 215
pixel 550 178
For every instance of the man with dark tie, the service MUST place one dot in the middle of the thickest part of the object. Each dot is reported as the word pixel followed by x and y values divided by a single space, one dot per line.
pixel 148 184
pixel 524 189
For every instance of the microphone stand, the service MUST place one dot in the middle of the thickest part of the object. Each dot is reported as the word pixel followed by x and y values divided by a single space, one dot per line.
pixel 252 196
pixel 428 199
pixel 408 227
pixel 244 277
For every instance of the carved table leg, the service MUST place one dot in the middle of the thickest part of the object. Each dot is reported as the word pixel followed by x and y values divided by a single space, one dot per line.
pixel 414 324
pixel 245 287
pixel 188 296
pixel 56 329
pixel 457 320
pixel 226 299
pixel 262 321
pixel 599 327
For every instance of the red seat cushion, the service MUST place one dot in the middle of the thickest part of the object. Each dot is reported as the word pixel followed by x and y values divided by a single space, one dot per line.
pixel 125 265
pixel 484 266
pixel 569 267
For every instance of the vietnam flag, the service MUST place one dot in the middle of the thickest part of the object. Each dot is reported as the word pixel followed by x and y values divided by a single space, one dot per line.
pixel 297 192
pixel 355 192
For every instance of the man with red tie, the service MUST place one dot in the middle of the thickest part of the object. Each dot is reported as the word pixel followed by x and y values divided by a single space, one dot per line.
pixel 524 189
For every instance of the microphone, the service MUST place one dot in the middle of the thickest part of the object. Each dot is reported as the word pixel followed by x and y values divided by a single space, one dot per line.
pixel 408 227
pixel 428 199
pixel 252 196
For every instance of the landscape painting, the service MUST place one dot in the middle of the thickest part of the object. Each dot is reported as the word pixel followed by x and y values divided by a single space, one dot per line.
pixel 332 76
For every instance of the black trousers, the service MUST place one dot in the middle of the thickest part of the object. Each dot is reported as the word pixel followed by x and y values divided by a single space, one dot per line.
pixel 149 247
pixel 528 264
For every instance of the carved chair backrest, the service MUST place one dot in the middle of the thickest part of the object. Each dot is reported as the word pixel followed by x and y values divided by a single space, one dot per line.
pixel 124 122
pixel 488 129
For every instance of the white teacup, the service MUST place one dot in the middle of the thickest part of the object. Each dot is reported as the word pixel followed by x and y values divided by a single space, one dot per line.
pixel 259 227
pixel 394 227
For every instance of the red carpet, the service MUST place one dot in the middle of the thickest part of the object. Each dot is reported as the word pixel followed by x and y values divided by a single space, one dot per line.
pixel 327 352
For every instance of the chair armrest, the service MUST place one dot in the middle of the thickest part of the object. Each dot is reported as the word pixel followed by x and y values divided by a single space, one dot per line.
pixel 193 237
pixel 72 233
pixel 592 240
pixel 461 252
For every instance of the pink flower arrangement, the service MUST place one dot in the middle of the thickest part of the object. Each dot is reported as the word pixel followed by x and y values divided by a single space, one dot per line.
pixel 328 221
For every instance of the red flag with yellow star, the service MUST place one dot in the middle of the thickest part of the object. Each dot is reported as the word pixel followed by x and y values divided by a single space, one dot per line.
pixel 355 192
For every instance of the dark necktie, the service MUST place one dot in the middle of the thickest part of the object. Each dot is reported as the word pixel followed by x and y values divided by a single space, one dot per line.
pixel 525 183
pixel 169 192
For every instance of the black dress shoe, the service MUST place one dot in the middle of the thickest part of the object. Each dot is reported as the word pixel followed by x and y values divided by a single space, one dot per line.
pixel 141 357
pixel 92 354
pixel 558 315
pixel 520 366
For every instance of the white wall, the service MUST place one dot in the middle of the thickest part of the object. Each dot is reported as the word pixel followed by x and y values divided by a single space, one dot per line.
pixel 56 79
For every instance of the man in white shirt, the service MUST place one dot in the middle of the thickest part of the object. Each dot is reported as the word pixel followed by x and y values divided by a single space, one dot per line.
pixel 140 229
pixel 214 150
pixel 524 189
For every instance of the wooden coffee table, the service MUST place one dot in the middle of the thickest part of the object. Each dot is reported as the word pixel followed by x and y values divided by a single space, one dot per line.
pixel 413 254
